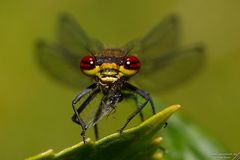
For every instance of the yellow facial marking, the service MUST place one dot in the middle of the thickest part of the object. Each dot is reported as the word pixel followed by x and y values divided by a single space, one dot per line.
pixel 109 65
pixel 108 73
pixel 92 72
pixel 127 72
pixel 109 79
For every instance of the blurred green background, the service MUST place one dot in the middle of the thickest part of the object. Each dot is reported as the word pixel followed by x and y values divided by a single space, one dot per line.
pixel 35 111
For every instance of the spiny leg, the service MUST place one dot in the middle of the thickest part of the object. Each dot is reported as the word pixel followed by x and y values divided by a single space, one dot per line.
pixel 134 97
pixel 74 102
pixel 96 132
pixel 99 110
pixel 142 94
pixel 133 115
pixel 84 104
pixel 82 107
pixel 146 95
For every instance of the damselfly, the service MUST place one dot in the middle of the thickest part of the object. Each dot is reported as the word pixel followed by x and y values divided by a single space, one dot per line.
pixel 162 61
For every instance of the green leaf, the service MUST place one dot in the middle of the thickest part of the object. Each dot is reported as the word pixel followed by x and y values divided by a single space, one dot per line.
pixel 138 143
pixel 184 140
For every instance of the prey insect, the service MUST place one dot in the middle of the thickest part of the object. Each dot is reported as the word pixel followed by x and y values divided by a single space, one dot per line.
pixel 156 62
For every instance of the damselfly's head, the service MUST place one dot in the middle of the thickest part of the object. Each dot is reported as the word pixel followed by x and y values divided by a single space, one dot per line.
pixel 109 65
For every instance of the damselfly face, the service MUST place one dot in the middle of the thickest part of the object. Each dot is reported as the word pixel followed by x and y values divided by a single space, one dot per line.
pixel 109 65
pixel 163 65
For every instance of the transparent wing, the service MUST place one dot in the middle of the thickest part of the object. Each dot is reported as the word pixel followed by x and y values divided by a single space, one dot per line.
pixel 170 69
pixel 61 60
pixel 164 63
pixel 61 65
pixel 162 38
pixel 73 37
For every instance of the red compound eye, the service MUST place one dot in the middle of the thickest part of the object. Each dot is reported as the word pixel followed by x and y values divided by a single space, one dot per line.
pixel 132 63
pixel 87 63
